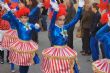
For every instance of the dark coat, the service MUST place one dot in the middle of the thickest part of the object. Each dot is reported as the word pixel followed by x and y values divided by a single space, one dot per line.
pixel 86 19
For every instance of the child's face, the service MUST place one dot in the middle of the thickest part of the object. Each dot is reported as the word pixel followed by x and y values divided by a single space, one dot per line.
pixel 24 19
pixel 60 20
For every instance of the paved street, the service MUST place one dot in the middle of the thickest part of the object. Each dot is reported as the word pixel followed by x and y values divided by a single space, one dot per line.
pixel 85 66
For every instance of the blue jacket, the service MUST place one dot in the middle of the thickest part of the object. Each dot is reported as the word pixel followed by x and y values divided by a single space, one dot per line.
pixel 58 35
pixel 24 30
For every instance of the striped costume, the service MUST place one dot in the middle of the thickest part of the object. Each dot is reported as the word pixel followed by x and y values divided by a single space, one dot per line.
pixel 9 37
pixel 23 49
pixel 101 66
pixel 60 58
pixel 4 26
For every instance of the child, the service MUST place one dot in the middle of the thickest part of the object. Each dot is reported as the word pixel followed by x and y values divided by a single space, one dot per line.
pixel 103 35
pixel 4 25
pixel 60 58
pixel 23 50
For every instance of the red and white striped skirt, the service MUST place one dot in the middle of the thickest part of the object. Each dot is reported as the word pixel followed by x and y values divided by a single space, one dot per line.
pixel 58 59
pixel 22 52
pixel 9 37
pixel 101 66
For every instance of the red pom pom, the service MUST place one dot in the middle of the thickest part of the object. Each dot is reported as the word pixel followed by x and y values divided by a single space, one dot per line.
pixel 104 18
pixel 4 25
pixel 46 3
pixel 62 10
pixel 50 15
pixel 13 5
pixel 7 1
pixel 22 12
pixel 103 5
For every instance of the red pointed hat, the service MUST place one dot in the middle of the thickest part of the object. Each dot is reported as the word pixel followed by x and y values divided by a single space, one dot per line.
pixel 62 11
pixel 22 12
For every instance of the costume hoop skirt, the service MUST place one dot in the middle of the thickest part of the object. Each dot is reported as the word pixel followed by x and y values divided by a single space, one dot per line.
pixel 4 26
pixel 22 52
pixel 1 37
pixel 58 59
pixel 101 66
pixel 9 37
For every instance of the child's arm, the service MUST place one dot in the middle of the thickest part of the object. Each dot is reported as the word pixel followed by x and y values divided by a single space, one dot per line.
pixel 77 16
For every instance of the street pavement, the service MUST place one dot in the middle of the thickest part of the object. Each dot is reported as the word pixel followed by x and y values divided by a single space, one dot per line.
pixel 85 65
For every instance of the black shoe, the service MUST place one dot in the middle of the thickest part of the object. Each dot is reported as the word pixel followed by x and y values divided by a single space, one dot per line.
pixel 82 51
pixel 1 61
pixel 85 54
pixel 90 60
pixel 7 61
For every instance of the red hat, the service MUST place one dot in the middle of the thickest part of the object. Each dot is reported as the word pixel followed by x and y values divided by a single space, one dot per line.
pixel 103 4
pixel 7 1
pixel 22 12
pixel 13 5
pixel 46 3
pixel 62 11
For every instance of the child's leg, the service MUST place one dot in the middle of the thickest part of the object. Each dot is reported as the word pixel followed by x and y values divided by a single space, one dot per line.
pixel 7 56
pixel 12 67
pixel 23 69
pixel 94 48
pixel 76 69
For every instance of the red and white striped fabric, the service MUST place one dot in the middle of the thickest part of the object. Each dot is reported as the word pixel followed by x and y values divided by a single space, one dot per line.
pixel 1 37
pixel 22 52
pixel 58 60
pixel 101 66
pixel 9 37
pixel 4 25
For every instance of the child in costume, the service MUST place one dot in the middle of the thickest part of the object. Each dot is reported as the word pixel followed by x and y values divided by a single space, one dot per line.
pixel 103 35
pixel 23 50
pixel 60 58
pixel 11 35
pixel 4 25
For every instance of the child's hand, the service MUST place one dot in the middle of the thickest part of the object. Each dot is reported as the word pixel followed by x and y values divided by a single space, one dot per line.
pixel 40 5
pixel 81 3
pixel 5 6
pixel 54 6
pixel 37 26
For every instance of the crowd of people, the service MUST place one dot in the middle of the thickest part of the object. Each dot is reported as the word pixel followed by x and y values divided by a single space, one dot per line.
pixel 21 20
